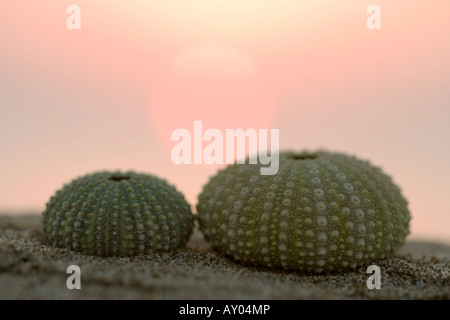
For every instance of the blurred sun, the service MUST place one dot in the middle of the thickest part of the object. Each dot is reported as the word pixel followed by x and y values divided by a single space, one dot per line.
pixel 214 83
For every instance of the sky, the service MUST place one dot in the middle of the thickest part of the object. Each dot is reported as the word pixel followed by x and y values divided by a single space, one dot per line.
pixel 109 95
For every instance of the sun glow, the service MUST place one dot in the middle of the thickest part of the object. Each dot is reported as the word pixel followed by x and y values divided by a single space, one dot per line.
pixel 232 20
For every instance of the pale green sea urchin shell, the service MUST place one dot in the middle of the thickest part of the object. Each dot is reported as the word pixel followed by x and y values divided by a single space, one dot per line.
pixel 321 212
pixel 118 214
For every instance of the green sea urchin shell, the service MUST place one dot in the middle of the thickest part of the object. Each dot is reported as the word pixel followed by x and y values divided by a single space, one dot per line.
pixel 118 214
pixel 321 212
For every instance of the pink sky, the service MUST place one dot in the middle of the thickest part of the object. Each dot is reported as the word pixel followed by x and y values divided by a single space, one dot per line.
pixel 109 95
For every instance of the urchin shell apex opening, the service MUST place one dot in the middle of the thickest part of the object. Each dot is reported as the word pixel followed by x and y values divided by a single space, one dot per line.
pixel 118 214
pixel 322 211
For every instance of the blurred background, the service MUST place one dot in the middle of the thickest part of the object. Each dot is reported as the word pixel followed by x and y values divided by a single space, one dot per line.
pixel 109 95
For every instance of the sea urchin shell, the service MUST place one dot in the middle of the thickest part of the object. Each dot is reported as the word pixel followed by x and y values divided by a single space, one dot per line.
pixel 321 212
pixel 118 214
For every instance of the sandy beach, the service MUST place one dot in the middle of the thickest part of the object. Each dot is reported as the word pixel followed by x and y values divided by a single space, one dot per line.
pixel 30 269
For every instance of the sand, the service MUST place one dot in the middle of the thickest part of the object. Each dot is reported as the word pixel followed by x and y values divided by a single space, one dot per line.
pixel 30 269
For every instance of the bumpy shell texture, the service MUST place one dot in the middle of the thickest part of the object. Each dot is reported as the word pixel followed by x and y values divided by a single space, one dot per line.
pixel 321 212
pixel 118 214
